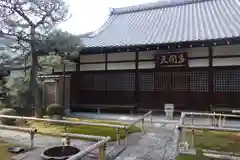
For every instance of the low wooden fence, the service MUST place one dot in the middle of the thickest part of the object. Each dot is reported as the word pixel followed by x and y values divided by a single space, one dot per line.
pixel 217 119
pixel 31 132
pixel 102 141
pixel 102 144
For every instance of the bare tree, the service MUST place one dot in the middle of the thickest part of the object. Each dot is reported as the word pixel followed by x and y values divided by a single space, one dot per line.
pixel 31 23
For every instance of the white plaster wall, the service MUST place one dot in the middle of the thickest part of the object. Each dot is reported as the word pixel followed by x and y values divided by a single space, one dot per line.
pixel 146 65
pixel 92 58
pixel 149 55
pixel 192 52
pixel 197 52
pixel 198 62
pixel 121 66
pixel 191 63
pixel 121 56
pixel 69 67
pixel 90 67
pixel 111 57
pixel 226 61
pixel 226 50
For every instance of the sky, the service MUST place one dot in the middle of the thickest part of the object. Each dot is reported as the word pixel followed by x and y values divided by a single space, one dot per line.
pixel 89 15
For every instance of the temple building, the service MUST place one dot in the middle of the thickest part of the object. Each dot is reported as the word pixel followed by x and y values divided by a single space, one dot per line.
pixel 186 53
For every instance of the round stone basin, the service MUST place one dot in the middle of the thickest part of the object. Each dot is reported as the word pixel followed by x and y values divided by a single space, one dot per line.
pixel 59 153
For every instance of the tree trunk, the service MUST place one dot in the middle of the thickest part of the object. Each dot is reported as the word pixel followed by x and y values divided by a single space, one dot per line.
pixel 33 77
pixel 35 88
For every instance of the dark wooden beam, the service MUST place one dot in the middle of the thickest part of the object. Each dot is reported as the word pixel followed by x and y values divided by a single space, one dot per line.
pixel 106 76
pixel 106 61
pixel 210 76
pixel 137 77
pixel 78 64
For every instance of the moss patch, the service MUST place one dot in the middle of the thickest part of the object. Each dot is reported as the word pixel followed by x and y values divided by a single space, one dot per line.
pixel 5 155
pixel 47 128
pixel 212 140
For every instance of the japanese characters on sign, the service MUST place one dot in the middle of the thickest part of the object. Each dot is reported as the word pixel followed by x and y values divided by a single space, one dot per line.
pixel 171 59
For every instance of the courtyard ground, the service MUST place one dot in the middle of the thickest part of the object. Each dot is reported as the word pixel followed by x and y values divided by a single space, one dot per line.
pixel 42 142
pixel 160 141
pixel 48 129
pixel 150 144
pixel 212 140
pixel 157 143
pixel 5 155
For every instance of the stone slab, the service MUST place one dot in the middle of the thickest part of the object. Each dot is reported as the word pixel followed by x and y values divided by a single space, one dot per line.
pixel 158 143
pixel 115 151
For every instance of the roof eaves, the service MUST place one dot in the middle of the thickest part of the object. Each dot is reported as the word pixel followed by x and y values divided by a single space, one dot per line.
pixel 154 5
pixel 101 29
pixel 220 41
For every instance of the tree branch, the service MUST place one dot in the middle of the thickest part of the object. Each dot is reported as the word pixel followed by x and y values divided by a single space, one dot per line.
pixel 21 13
pixel 3 34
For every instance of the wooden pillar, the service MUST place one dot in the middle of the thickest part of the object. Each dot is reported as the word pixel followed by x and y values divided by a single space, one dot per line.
pixel 72 91
pixel 106 61
pixel 106 71
pixel 57 92
pixel 78 64
pixel 137 78
pixel 53 70
pixel 210 76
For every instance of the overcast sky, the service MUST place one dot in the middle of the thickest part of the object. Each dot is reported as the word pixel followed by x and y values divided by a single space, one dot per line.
pixel 89 15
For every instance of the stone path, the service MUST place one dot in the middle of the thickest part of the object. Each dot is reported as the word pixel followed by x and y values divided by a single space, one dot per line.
pixel 158 143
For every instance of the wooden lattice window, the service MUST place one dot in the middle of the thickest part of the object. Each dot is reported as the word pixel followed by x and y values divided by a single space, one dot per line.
pixel 234 81
pixel 162 81
pixel 180 82
pixel 121 81
pixel 198 81
pixel 226 81
pixel 146 81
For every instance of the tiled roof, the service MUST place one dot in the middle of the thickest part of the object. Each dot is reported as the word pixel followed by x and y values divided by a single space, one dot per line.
pixel 168 22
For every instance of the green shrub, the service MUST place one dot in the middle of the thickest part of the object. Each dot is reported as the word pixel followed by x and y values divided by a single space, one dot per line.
pixel 2 105
pixel 55 109
pixel 10 112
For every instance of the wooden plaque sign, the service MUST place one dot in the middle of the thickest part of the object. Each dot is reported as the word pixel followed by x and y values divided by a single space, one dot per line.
pixel 171 59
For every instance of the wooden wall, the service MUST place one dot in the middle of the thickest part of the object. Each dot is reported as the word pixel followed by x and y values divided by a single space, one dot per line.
pixel 198 57
pixel 191 88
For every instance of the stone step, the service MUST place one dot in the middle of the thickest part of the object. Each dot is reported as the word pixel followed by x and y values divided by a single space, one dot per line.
pixel 112 154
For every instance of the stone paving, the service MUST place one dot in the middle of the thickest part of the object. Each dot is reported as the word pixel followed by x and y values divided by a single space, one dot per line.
pixel 158 143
